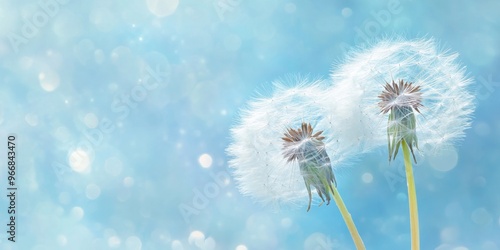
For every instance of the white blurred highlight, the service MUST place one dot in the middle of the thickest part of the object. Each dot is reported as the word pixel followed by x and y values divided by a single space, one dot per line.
pixel 128 181
pixel 77 213
pixel 196 237
pixel 49 80
pixel 177 245
pixel 367 178
pixel 133 243
pixel 91 120
pixel 92 191
pixel 162 8
pixel 205 160
pixel 114 242
pixel 241 247
pixel 481 216
pixel 79 160
pixel 445 159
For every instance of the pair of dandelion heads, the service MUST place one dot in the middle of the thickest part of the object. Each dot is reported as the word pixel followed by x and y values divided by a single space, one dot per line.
pixel 397 94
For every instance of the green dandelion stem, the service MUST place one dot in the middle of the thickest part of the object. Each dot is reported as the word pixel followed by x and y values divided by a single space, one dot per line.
pixel 346 215
pixel 348 219
pixel 412 198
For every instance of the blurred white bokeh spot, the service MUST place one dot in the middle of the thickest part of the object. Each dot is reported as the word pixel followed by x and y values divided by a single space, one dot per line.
pixel 290 8
pixel 133 243
pixel 449 234
pixel 489 245
pixel 114 242
pixel 128 181
pixel 346 12
pixel 31 119
pixel 241 247
pixel 62 240
pixel 318 241
pixel 205 160
pixel 367 177
pixel 92 191
pixel 482 128
pixel 77 213
pixel 481 216
pixel 91 120
pixel 49 80
pixel 445 159
pixel 79 160
pixel 196 238
pixel 162 8
pixel 177 245
pixel 286 222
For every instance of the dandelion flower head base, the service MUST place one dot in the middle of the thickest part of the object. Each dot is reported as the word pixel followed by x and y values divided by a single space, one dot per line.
pixel 315 166
pixel 400 95
pixel 295 138
pixel 401 100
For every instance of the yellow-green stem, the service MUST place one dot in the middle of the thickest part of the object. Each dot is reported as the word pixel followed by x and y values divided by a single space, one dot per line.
pixel 412 198
pixel 348 220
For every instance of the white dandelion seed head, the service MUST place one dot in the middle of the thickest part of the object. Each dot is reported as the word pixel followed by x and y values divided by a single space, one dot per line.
pixel 259 159
pixel 446 102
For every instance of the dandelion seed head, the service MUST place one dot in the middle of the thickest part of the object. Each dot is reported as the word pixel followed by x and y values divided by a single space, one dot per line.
pixel 428 80
pixel 269 139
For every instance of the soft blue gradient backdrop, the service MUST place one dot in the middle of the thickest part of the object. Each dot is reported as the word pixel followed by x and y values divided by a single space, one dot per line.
pixel 114 102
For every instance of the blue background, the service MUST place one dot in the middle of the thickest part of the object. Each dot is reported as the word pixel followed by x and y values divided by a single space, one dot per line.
pixel 111 156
